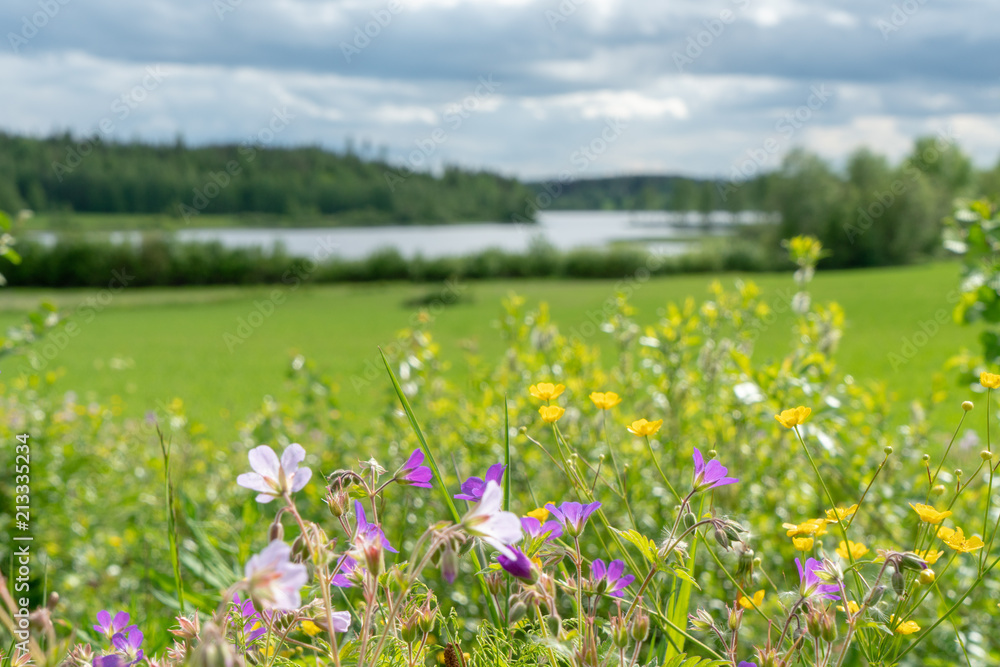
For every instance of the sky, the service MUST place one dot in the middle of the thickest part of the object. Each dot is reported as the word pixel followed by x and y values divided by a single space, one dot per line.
pixel 530 88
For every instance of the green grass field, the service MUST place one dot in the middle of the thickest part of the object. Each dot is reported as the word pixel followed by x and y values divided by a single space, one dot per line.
pixel 152 345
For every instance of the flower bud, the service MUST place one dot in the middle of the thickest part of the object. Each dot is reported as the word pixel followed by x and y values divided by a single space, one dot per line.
pixel 690 519
pixel 925 458
pixel 887 449
pixel 52 601
pixel 722 538
pixel 899 583
pixel 494 583
pixel 619 632
pixel 938 489
pixel 986 455
pixel 640 626
pixel 215 650
pixel 276 531
pixel 701 620
pixel 813 624
pixel 517 612
pixel 338 502
pixel 745 563
pixel 828 627
pixel 967 405
pixel 876 595
pixel 735 618
pixel 913 562
pixel 449 563
pixel 926 577
pixel 410 631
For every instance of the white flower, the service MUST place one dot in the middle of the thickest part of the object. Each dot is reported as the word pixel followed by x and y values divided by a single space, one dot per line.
pixel 272 478
pixel 491 524
pixel 341 621
pixel 273 580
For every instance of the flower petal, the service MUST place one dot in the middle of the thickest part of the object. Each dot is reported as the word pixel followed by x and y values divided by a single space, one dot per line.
pixel 264 461
pixel 302 476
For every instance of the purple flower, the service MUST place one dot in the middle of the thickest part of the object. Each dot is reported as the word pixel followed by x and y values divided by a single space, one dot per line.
pixel 710 475
pixel 572 515
pixel 110 660
pixel 346 568
pixel 245 612
pixel 111 626
pixel 811 585
pixel 274 580
pixel 129 642
pixel 535 528
pixel 370 530
pixel 414 472
pixel 519 566
pixel 272 478
pixel 610 578
pixel 472 488
pixel 744 663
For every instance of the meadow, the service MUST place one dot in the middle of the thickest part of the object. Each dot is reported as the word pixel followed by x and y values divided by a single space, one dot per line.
pixel 149 346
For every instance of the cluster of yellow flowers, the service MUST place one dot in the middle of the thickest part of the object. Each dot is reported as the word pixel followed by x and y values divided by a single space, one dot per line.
pixel 604 400
pixel 803 534
pixel 953 537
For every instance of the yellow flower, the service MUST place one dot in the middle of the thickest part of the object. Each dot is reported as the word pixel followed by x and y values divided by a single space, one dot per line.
pixel 793 417
pixel 643 427
pixel 811 527
pixel 840 513
pixel 605 400
pixel 857 550
pixel 551 413
pixel 852 606
pixel 803 543
pixel 757 599
pixel 928 514
pixel 906 627
pixel 957 541
pixel 929 556
pixel 546 390
pixel 945 533
pixel 310 628
pixel 541 514
pixel 989 380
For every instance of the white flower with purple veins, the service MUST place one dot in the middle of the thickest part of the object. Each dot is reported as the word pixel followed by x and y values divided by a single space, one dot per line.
pixel 274 580
pixel 491 524
pixel 272 478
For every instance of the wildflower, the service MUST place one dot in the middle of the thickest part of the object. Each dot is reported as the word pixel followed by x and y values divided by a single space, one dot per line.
pixel 643 427
pixel 539 513
pixel 572 515
pixel 546 391
pixel 414 472
pixel 347 572
pixel 472 488
pixel 610 578
pixel 750 602
pixel 518 566
pixel 110 660
pixel 535 528
pixel 273 579
pixel 316 626
pixel 245 612
pixel 956 540
pixel 710 475
pixel 812 527
pixel 857 550
pixel 803 543
pixel 108 626
pixel 906 627
pixel 929 555
pixel 744 663
pixel 310 628
pixel 370 528
pixel 129 642
pixel 491 524
pixel 928 514
pixel 810 583
pixel 605 400
pixel 852 607
pixel 840 513
pixel 794 417
pixel 989 380
pixel 272 478
pixel 551 413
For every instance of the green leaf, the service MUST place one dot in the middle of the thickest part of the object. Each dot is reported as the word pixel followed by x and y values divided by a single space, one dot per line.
pixel 682 573
pixel 646 546
pixel 683 660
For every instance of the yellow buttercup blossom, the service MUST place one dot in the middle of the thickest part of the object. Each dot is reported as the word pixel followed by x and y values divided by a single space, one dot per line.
pixel 930 515
pixel 930 556
pixel 841 513
pixel 310 628
pixel 989 380
pixel 605 400
pixel 857 550
pixel 803 543
pixel 551 413
pixel 956 540
pixel 814 527
pixel 749 603
pixel 852 606
pixel 794 417
pixel 642 427
pixel 906 627
pixel 541 514
pixel 546 390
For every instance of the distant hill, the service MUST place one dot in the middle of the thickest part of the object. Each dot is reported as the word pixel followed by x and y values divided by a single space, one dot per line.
pixel 87 175
pixel 670 193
